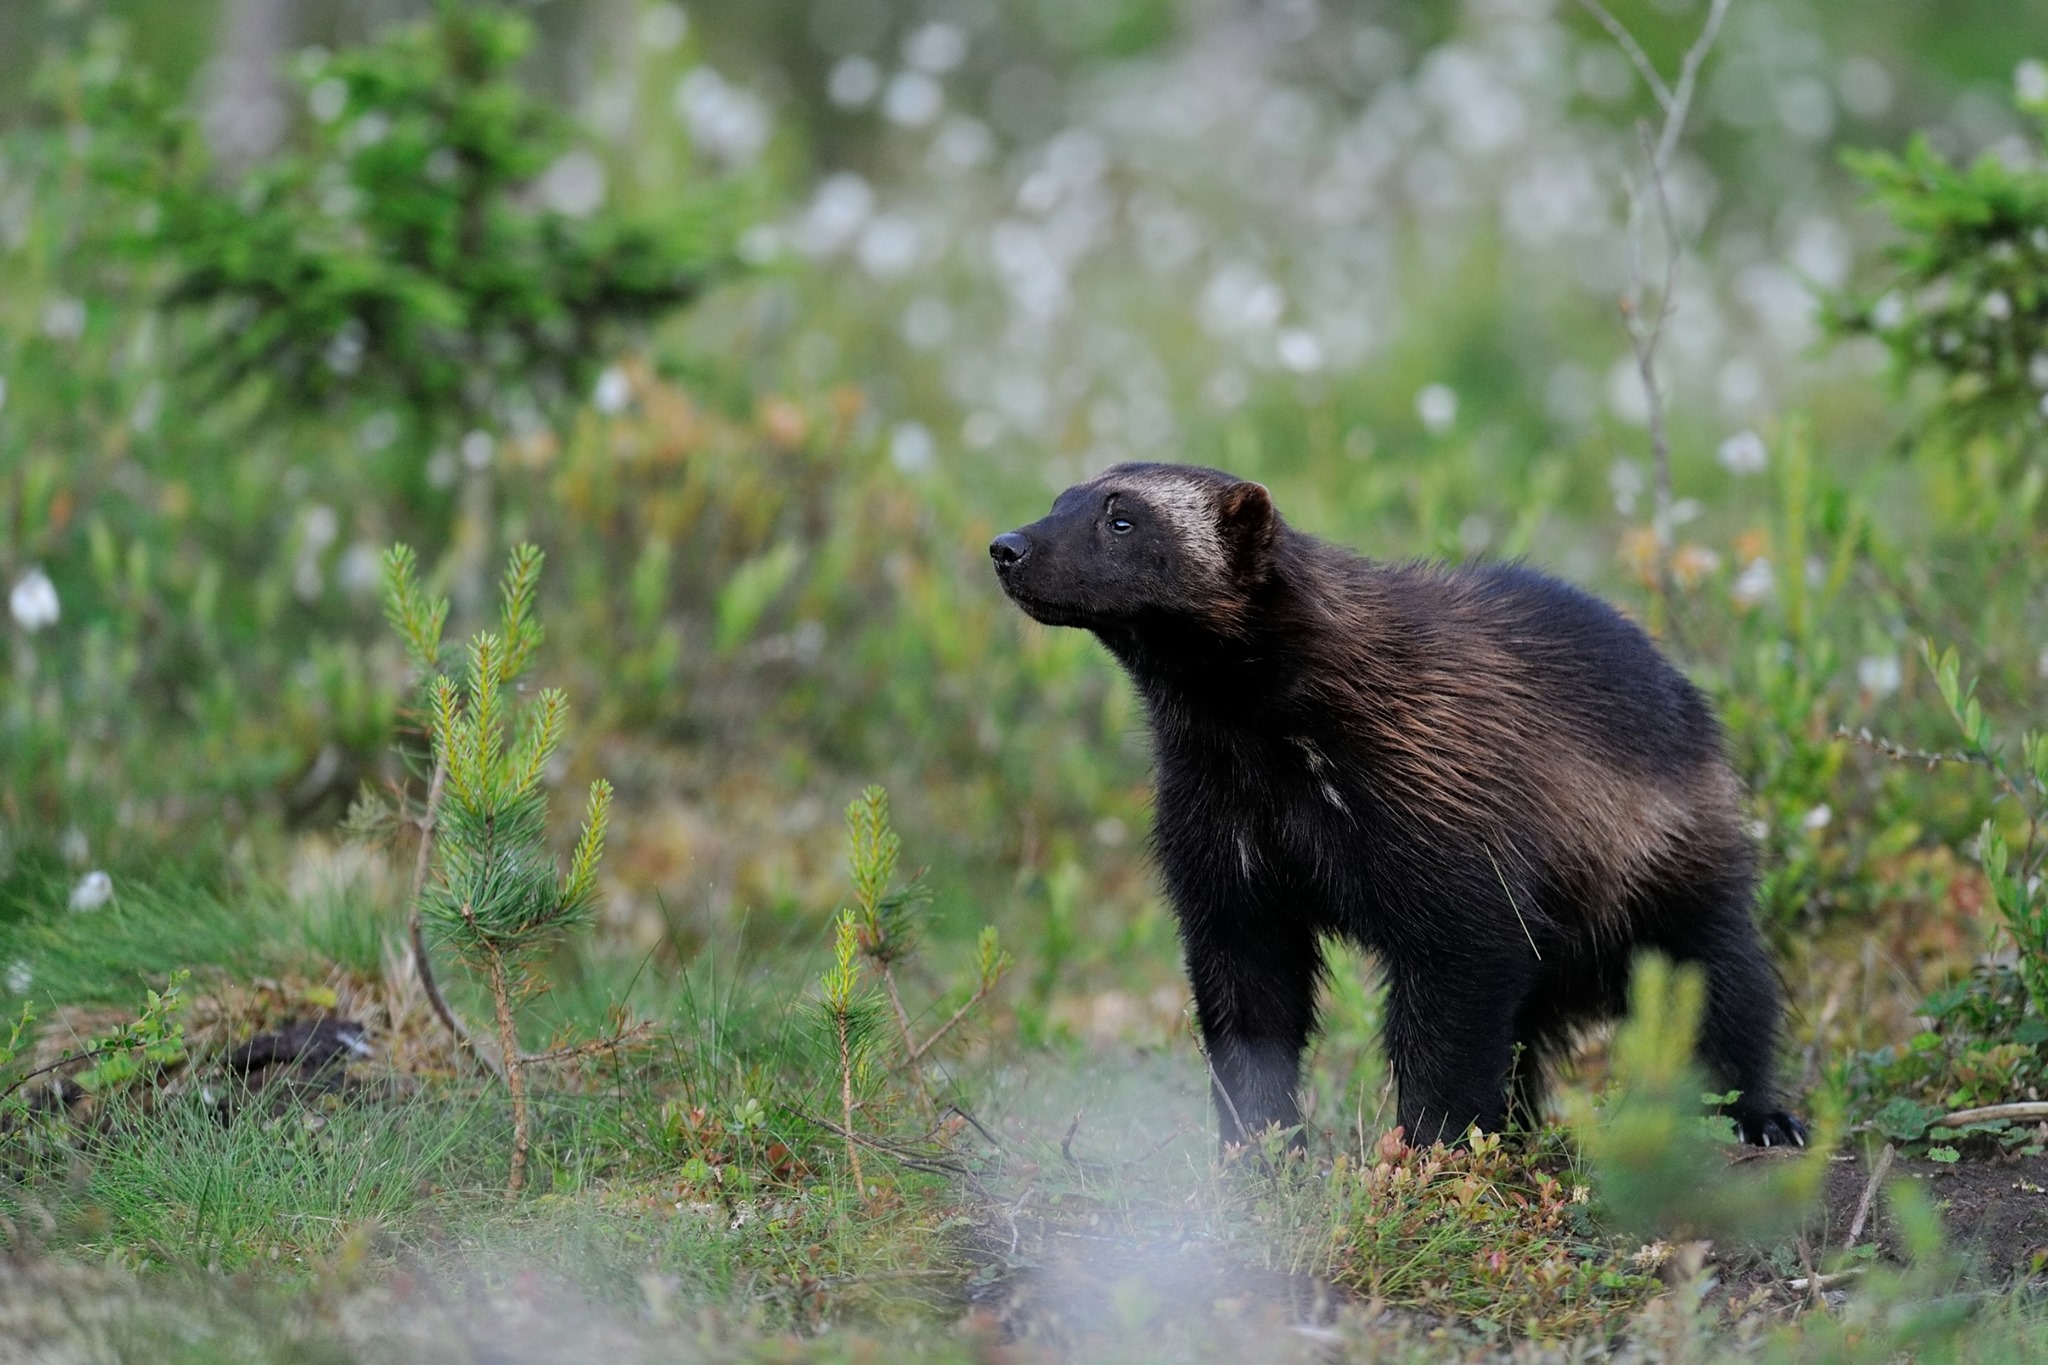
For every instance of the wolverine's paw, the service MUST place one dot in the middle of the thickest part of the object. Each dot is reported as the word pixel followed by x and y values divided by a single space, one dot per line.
pixel 1773 1129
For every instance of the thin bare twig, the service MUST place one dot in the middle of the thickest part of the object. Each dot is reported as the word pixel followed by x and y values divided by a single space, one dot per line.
pixel 981 993
pixel 1688 78
pixel 1645 329
pixel 423 966
pixel 1863 1205
pixel 1633 50
pixel 911 1052
pixel 617 1042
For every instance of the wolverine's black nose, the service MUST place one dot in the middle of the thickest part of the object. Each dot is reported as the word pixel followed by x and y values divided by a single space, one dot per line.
pixel 1007 548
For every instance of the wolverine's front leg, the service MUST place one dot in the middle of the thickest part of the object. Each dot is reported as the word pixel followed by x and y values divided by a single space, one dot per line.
pixel 1255 997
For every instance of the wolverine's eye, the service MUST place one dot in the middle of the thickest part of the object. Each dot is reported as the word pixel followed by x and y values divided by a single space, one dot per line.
pixel 1120 525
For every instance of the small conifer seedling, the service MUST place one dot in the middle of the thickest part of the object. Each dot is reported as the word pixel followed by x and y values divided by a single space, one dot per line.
pixel 495 893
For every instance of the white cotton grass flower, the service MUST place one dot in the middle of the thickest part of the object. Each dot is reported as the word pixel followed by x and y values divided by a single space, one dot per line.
pixel 1743 454
pixel 1879 674
pixel 2030 81
pixel 854 81
pixel 1437 406
pixel 911 448
pixel 20 976
pixel 33 601
pixel 912 99
pixel 94 890
pixel 613 391
pixel 1817 819
pixel 663 27
pixel 1754 583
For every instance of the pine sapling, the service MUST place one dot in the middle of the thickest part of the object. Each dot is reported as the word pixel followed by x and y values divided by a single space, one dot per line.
pixel 496 894
pixel 846 1014
pixel 887 921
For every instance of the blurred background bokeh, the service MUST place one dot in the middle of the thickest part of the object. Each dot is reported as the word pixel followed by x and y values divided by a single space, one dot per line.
pixel 956 254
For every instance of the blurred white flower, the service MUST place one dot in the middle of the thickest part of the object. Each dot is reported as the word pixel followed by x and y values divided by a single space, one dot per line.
pixel 854 81
pixel 1475 533
pixel 477 449
pixel 1625 396
pixel 378 431
pixel 1806 108
pixel 664 26
pixel 725 121
pixel 94 890
pixel 1864 86
pixel 33 600
pixel 1889 311
pixel 323 524
pixel 913 99
pixel 1754 583
pixel 20 976
pixel 362 569
pixel 1743 453
pixel 612 392
pixel 1437 406
pixel 1240 299
pixel 1821 251
pixel 1997 305
pixel 344 351
pixel 64 319
pixel 1740 384
pixel 911 448
pixel 1878 674
pixel 888 247
pixel 574 185
pixel 761 243
pixel 1625 482
pixel 2030 80
pixel 327 99
pixel 936 48
pixel 1817 819
pixel 2037 374
pixel 1299 350
pixel 74 846
pixel 964 142
pixel 841 203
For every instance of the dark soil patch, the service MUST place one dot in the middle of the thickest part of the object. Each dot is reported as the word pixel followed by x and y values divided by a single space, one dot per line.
pixel 1994 1210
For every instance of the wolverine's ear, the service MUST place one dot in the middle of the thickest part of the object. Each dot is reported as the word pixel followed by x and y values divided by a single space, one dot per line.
pixel 1245 516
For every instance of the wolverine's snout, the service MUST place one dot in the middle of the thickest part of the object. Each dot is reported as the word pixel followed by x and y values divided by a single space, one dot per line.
pixel 1009 548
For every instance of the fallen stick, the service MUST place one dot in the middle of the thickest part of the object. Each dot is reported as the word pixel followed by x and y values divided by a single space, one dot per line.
pixel 2025 1111
pixel 1812 1282
pixel 1863 1205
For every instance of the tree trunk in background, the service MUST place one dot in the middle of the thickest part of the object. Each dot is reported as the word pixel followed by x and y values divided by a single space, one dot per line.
pixel 246 112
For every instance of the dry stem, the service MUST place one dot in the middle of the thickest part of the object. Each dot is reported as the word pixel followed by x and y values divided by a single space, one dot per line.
pixel 515 1076
pixel 415 926
pixel 1646 335
pixel 860 1185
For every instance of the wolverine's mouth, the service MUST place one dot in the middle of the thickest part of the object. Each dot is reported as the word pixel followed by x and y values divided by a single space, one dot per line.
pixel 1039 609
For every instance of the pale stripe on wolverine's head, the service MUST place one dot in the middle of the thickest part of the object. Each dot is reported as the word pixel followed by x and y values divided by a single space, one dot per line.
pixel 1203 506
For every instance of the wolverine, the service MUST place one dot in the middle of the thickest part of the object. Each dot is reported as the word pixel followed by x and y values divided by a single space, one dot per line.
pixel 1487 778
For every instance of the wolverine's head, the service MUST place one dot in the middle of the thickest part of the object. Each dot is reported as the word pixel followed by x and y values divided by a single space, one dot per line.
pixel 1141 542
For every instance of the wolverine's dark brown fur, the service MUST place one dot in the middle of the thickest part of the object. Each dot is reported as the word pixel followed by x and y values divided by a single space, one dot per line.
pixel 1487 777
